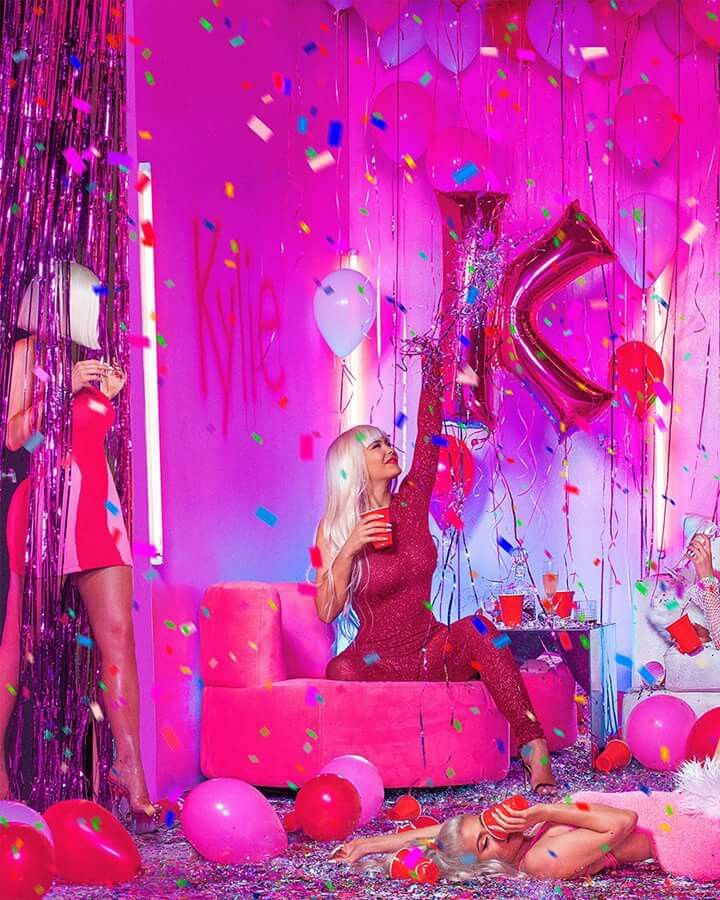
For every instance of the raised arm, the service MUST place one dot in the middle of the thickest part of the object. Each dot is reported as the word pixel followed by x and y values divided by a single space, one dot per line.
pixel 421 475
pixel 23 418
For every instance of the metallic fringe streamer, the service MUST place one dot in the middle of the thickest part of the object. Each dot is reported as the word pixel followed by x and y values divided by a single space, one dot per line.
pixel 56 58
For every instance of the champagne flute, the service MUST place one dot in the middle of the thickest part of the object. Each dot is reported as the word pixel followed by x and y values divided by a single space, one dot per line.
pixel 550 583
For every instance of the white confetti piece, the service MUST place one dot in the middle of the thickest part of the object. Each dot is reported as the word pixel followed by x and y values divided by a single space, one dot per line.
pixel 691 234
pixel 590 53
pixel 489 51
pixel 259 128
pixel 97 712
pixel 321 161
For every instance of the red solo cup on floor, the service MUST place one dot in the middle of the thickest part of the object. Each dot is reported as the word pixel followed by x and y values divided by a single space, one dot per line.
pixel 398 869
pixel 406 809
pixel 564 603
pixel 425 822
pixel 511 609
pixel 684 634
pixel 384 511
pixel 616 755
pixel 489 822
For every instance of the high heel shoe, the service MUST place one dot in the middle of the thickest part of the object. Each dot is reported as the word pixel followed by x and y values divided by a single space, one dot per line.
pixel 544 788
pixel 137 821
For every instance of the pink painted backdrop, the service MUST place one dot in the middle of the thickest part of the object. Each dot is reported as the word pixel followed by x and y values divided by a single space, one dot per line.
pixel 244 228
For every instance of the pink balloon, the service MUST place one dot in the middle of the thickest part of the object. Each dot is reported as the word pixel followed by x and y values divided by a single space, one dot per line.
pixel 378 14
pixel 657 731
pixel 673 28
pixel 550 34
pixel 614 31
pixel 698 13
pixel 453 34
pixel 402 120
pixel 20 814
pixel 229 821
pixel 366 780
pixel 646 235
pixel 453 155
pixel 645 125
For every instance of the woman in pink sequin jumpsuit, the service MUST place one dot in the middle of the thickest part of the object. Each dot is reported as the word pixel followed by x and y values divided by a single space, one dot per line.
pixel 389 589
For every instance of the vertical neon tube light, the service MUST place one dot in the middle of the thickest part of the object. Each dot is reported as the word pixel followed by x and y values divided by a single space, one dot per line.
pixel 660 437
pixel 150 377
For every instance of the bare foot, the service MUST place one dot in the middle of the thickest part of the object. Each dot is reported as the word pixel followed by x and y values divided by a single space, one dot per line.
pixel 536 762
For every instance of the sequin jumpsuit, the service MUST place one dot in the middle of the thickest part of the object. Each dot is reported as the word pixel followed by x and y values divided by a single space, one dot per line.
pixel 399 639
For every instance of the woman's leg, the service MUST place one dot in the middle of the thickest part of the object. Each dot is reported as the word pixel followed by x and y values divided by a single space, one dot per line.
pixel 9 667
pixel 473 644
pixel 107 595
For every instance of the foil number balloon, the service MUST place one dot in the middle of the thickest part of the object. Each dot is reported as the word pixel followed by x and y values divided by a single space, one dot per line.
pixel 572 247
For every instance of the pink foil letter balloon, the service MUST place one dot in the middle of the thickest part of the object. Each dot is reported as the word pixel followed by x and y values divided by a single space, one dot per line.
pixel 572 247
pixel 471 227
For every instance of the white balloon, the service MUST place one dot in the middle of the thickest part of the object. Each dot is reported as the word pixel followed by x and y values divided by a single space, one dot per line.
pixel 454 35
pixel 84 307
pixel 403 38
pixel 344 310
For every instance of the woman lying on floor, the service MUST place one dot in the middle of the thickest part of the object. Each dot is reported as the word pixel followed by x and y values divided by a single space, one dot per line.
pixel 589 833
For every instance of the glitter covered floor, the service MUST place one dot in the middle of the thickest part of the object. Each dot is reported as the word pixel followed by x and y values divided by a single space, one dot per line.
pixel 173 869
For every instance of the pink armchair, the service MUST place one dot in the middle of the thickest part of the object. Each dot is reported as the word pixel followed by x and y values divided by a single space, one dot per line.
pixel 271 718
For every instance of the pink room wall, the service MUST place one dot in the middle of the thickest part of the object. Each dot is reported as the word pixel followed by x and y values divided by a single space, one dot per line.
pixel 246 378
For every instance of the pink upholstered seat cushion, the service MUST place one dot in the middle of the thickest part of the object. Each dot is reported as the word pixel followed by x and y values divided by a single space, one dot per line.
pixel 241 635
pixel 552 691
pixel 307 641
pixel 285 734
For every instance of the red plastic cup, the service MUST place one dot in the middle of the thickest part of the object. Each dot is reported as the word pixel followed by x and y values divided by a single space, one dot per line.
pixel 385 512
pixel 511 609
pixel 684 634
pixel 563 602
pixel 616 755
pixel 489 822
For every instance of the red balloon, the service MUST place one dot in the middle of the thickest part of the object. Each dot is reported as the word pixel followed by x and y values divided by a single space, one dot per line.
pixel 506 25
pixel 328 807
pixel 91 846
pixel 472 225
pixel 704 736
pixel 646 125
pixel 704 18
pixel 291 822
pixel 27 862
pixel 637 369
pixel 427 872
pixel 456 468
pixel 572 247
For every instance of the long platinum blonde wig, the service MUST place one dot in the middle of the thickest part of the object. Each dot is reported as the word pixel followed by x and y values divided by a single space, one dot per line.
pixel 448 852
pixel 346 488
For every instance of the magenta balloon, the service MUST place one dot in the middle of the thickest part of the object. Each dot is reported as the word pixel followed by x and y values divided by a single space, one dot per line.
pixel 453 34
pixel 645 125
pixel 379 14
pixel 366 780
pixel 698 13
pixel 614 31
pixel 673 28
pixel 20 814
pixel 229 821
pixel 404 38
pixel 407 113
pixel 636 7
pixel 449 153
pixel 549 33
pixel 645 241
pixel 572 247
pixel 657 731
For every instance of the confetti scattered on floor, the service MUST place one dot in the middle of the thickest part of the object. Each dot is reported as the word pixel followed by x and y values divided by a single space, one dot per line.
pixel 171 868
